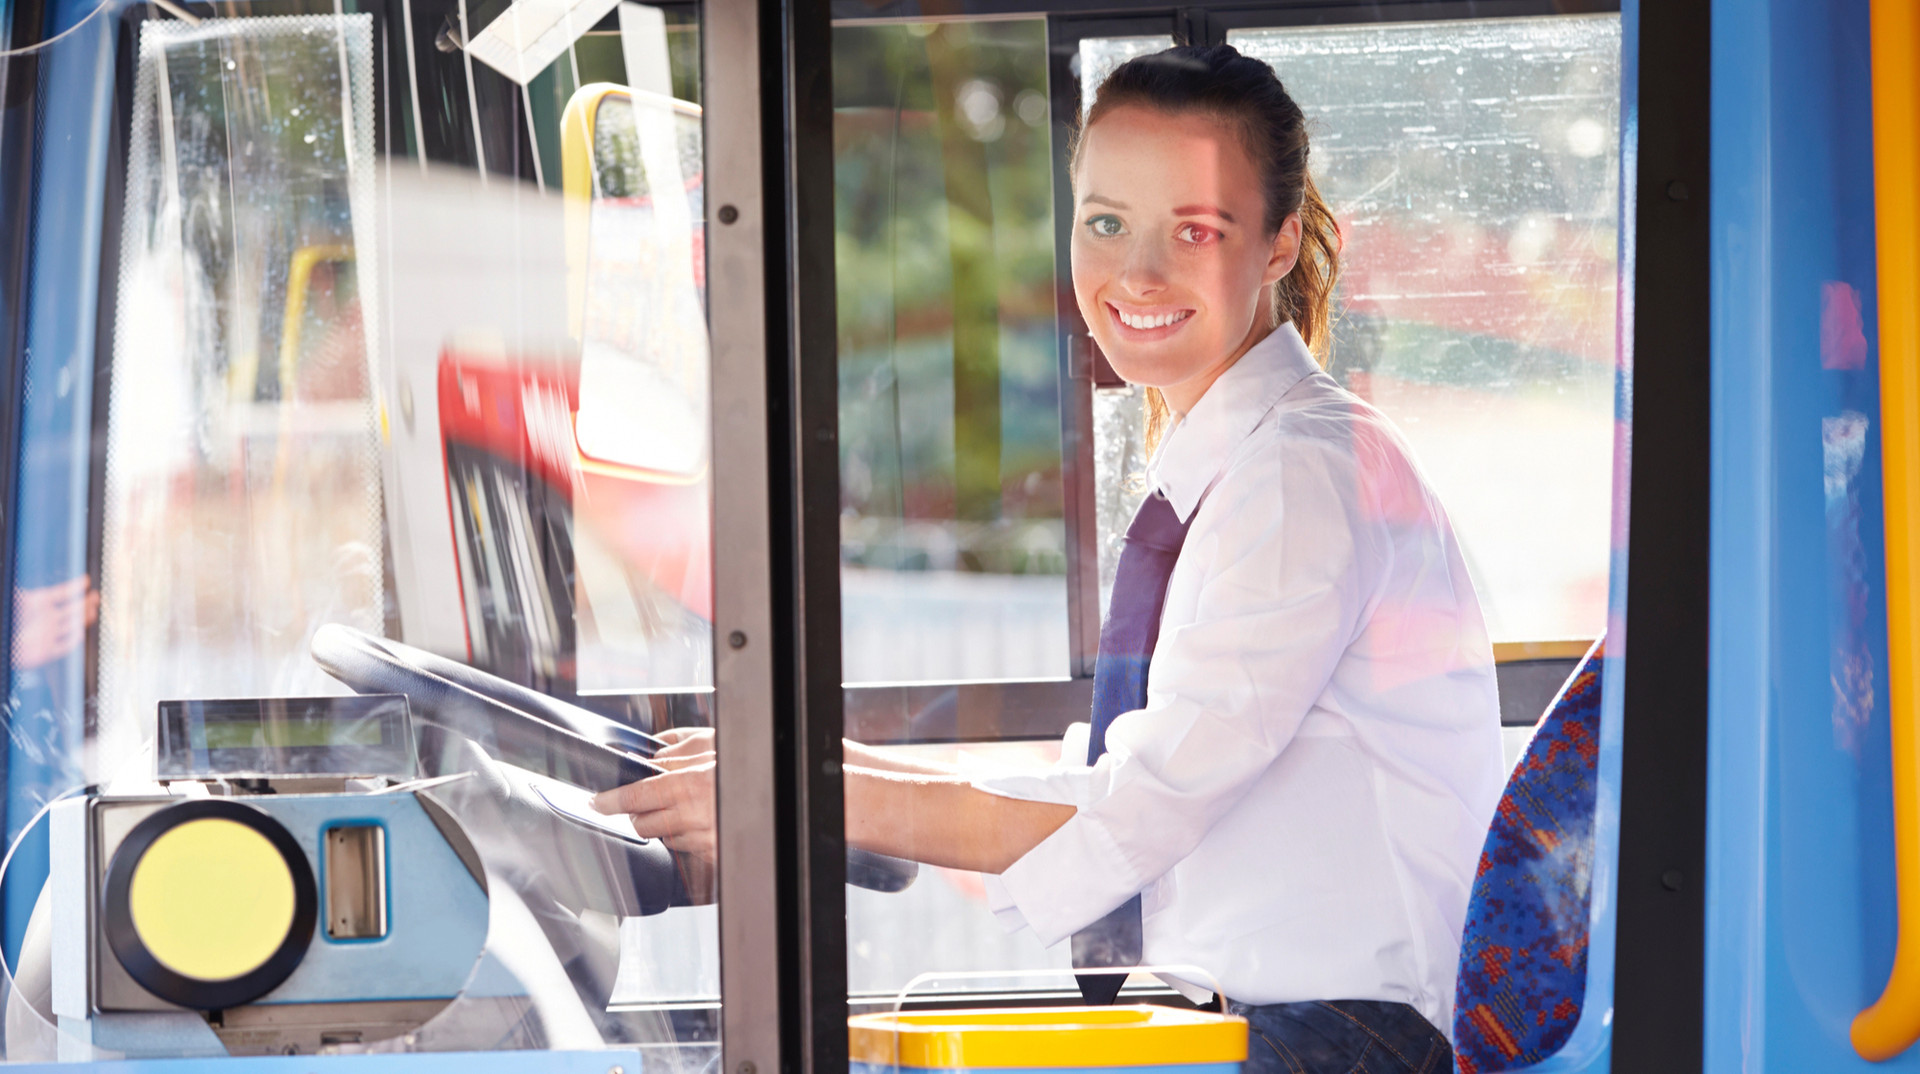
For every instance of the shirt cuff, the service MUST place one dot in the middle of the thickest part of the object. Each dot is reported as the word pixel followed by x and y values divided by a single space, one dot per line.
pixel 1074 876
pixel 1070 880
pixel 1000 904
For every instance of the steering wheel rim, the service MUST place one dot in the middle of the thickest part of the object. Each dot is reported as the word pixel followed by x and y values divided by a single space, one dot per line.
pixel 582 722
pixel 367 664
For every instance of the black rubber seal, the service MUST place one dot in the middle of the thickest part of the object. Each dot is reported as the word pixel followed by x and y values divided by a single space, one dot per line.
pixel 116 912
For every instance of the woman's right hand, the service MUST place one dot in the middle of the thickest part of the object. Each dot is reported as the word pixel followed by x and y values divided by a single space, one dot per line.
pixel 686 746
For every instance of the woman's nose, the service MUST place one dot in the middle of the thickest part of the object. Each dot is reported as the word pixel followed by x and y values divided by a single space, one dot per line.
pixel 1144 271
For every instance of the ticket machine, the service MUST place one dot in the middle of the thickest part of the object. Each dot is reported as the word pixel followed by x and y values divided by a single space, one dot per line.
pixel 327 874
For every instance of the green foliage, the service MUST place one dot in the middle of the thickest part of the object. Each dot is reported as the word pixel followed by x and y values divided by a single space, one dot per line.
pixel 944 239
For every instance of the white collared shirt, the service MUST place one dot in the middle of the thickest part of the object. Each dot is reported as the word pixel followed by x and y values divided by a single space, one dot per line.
pixel 1302 802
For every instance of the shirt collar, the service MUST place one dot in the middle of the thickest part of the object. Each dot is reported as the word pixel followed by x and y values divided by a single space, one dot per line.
pixel 1195 450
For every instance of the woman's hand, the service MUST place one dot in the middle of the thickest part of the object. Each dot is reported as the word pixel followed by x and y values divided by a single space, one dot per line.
pixel 675 807
pixel 910 810
pixel 686 746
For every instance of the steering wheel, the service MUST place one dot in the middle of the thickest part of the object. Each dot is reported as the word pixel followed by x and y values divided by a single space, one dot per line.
pixel 593 752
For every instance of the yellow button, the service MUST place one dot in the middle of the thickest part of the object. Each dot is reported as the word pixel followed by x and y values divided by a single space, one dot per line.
pixel 211 899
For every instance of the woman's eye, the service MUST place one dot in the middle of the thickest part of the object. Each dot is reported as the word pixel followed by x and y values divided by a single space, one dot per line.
pixel 1105 226
pixel 1196 234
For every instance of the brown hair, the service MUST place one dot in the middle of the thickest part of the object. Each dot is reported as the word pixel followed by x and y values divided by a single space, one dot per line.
pixel 1244 93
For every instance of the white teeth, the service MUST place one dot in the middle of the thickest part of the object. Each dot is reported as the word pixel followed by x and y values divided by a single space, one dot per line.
pixel 1160 320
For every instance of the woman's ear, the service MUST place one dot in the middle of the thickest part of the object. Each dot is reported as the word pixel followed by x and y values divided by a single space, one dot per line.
pixel 1286 249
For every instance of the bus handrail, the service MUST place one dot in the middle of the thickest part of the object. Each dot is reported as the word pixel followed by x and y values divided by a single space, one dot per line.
pixel 1892 1024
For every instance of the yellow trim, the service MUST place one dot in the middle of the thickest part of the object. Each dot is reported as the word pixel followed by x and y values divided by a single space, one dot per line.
pixel 211 899
pixel 1047 1037
pixel 577 188
pixel 1887 1028
pixel 1507 652
pixel 577 182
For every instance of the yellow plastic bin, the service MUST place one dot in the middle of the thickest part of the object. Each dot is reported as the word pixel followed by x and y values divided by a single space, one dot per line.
pixel 1143 1039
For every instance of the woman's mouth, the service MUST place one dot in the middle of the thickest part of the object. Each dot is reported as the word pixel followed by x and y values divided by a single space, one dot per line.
pixel 1149 324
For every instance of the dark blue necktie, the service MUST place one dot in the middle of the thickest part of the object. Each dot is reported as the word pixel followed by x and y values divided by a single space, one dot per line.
pixel 1120 685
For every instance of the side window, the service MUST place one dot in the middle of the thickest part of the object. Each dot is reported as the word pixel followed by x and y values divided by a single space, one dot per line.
pixel 1479 211
pixel 1473 168
pixel 952 515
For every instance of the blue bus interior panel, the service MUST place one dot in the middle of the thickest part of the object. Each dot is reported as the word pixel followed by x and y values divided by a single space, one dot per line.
pixel 1801 888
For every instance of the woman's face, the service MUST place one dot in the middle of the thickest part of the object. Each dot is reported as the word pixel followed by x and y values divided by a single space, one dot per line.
pixel 1171 259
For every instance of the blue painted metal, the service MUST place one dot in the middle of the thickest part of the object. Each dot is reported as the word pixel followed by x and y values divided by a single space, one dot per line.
pixel 625 1061
pixel 1800 895
pixel 45 706
pixel 437 914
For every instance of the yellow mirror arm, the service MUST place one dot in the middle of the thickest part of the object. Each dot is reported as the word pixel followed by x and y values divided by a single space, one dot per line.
pixel 1887 1028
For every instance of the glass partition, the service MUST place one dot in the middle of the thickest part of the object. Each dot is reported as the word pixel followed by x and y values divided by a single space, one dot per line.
pixel 372 539
pixel 953 538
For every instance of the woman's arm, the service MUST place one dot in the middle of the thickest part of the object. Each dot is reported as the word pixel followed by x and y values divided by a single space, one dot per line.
pixel 944 820
pixel 936 819
pixel 687 745
pixel 880 759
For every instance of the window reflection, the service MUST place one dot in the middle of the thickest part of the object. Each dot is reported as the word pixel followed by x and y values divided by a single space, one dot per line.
pixel 1473 168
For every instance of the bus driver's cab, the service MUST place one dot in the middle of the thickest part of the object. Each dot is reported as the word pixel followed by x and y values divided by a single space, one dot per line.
pixel 391 465
pixel 419 411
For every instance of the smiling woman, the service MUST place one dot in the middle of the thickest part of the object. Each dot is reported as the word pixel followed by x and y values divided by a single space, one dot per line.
pixel 1172 257
pixel 1255 244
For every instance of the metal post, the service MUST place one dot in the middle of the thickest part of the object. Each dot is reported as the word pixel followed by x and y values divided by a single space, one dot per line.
pixel 819 908
pixel 744 642
pixel 778 706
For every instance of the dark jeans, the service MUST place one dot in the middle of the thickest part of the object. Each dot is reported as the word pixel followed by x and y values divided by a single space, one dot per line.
pixel 1342 1036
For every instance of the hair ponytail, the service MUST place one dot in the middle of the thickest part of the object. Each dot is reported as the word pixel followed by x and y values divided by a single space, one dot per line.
pixel 1305 295
pixel 1246 94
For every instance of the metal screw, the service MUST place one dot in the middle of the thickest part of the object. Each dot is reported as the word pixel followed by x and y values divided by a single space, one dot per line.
pixel 746 1067
pixel 728 214
pixel 1672 879
pixel 830 766
pixel 737 639
pixel 1677 190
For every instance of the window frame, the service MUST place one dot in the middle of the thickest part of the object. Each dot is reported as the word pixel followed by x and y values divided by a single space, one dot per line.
pixel 797 1014
pixel 1658 687
pixel 19 98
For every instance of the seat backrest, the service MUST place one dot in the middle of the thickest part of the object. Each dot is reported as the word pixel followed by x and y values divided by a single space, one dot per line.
pixel 1523 956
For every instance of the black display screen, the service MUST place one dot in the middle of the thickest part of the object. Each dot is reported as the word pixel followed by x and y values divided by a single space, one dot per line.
pixel 367 735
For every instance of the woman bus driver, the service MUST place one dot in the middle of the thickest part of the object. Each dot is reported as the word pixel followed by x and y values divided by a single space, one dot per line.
pixel 1298 790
